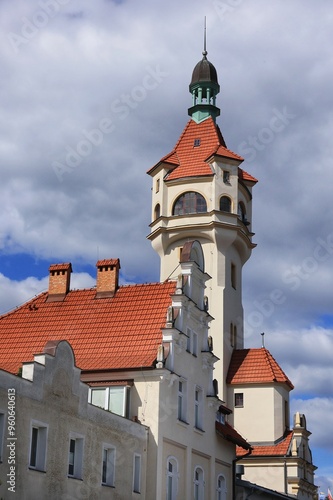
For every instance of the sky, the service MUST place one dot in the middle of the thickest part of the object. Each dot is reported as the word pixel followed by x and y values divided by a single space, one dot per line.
pixel 93 94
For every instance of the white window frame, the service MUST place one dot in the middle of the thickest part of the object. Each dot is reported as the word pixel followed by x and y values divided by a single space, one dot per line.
pixel 106 405
pixel 172 478
pixel 37 460
pixel 136 473
pixel 221 490
pixel 110 467
pixel 198 407
pixel 182 400
pixel 199 483
pixel 78 455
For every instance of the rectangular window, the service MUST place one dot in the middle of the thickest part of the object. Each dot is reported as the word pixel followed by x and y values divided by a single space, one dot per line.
pixel 137 473
pixel 114 398
pixel 239 399
pixel 226 176
pixel 75 457
pixel 196 143
pixel 192 342
pixel 157 185
pixel 188 340
pixel 108 468
pixel 38 444
pixel 182 400
pixel 233 276
pixel 198 408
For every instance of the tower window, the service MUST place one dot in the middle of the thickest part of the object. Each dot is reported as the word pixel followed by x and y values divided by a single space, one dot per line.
pixel 190 203
pixel 157 211
pixel 226 176
pixel 196 142
pixel 241 212
pixel 225 204
pixel 157 185
pixel 233 276
pixel 239 400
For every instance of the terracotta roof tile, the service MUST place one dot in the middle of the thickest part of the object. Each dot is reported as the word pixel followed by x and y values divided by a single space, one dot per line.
pixel 190 160
pixel 123 331
pixel 255 366
pixel 229 433
pixel 276 450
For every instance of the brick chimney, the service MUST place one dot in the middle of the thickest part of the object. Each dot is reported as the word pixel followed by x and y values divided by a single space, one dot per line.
pixel 107 277
pixel 59 281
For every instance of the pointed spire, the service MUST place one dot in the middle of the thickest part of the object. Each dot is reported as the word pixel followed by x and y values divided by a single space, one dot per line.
pixel 204 87
pixel 205 40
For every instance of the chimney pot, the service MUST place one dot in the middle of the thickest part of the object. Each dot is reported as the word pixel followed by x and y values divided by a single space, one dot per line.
pixel 107 277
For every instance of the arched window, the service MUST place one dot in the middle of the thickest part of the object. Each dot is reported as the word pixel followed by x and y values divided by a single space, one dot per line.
pixel 172 478
pixel 189 203
pixel 221 488
pixel 225 204
pixel 199 484
pixel 157 211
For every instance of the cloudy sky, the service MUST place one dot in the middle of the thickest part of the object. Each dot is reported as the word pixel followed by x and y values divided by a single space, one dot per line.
pixel 94 93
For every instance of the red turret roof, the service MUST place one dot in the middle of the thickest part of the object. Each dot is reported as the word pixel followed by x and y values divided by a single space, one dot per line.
pixel 196 145
pixel 255 366
pixel 121 332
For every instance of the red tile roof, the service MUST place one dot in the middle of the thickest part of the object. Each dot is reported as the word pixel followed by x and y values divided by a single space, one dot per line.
pixel 255 366
pixel 188 160
pixel 121 332
pixel 230 434
pixel 279 449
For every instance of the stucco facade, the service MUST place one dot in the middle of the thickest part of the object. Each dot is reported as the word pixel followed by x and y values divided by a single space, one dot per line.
pixel 54 401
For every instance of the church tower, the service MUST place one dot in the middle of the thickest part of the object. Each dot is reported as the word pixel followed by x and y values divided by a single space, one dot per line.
pixel 201 193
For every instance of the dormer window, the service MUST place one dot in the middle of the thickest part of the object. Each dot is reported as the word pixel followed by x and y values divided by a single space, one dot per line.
pixel 196 143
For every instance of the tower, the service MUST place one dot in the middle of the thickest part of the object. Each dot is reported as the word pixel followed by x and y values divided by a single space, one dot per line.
pixel 201 193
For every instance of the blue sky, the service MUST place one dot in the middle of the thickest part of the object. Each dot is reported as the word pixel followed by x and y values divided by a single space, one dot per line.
pixel 95 93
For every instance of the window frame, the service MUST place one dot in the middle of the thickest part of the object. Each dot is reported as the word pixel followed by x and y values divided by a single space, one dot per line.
pixel 225 198
pixel 239 400
pixel 136 473
pixel 221 490
pixel 172 478
pixel 199 484
pixel 108 465
pixel 106 406
pixel 182 400
pixel 77 471
pixel 198 407
pixel 38 446
pixel 189 203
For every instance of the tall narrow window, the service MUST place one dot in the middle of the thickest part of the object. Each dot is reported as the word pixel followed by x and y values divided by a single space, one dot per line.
pixel 157 185
pixel 198 408
pixel 157 211
pixel 199 485
pixel 172 478
pixel 221 488
pixel 75 457
pixel 137 473
pixel 182 400
pixel 38 445
pixel 226 176
pixel 108 467
pixel 233 276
